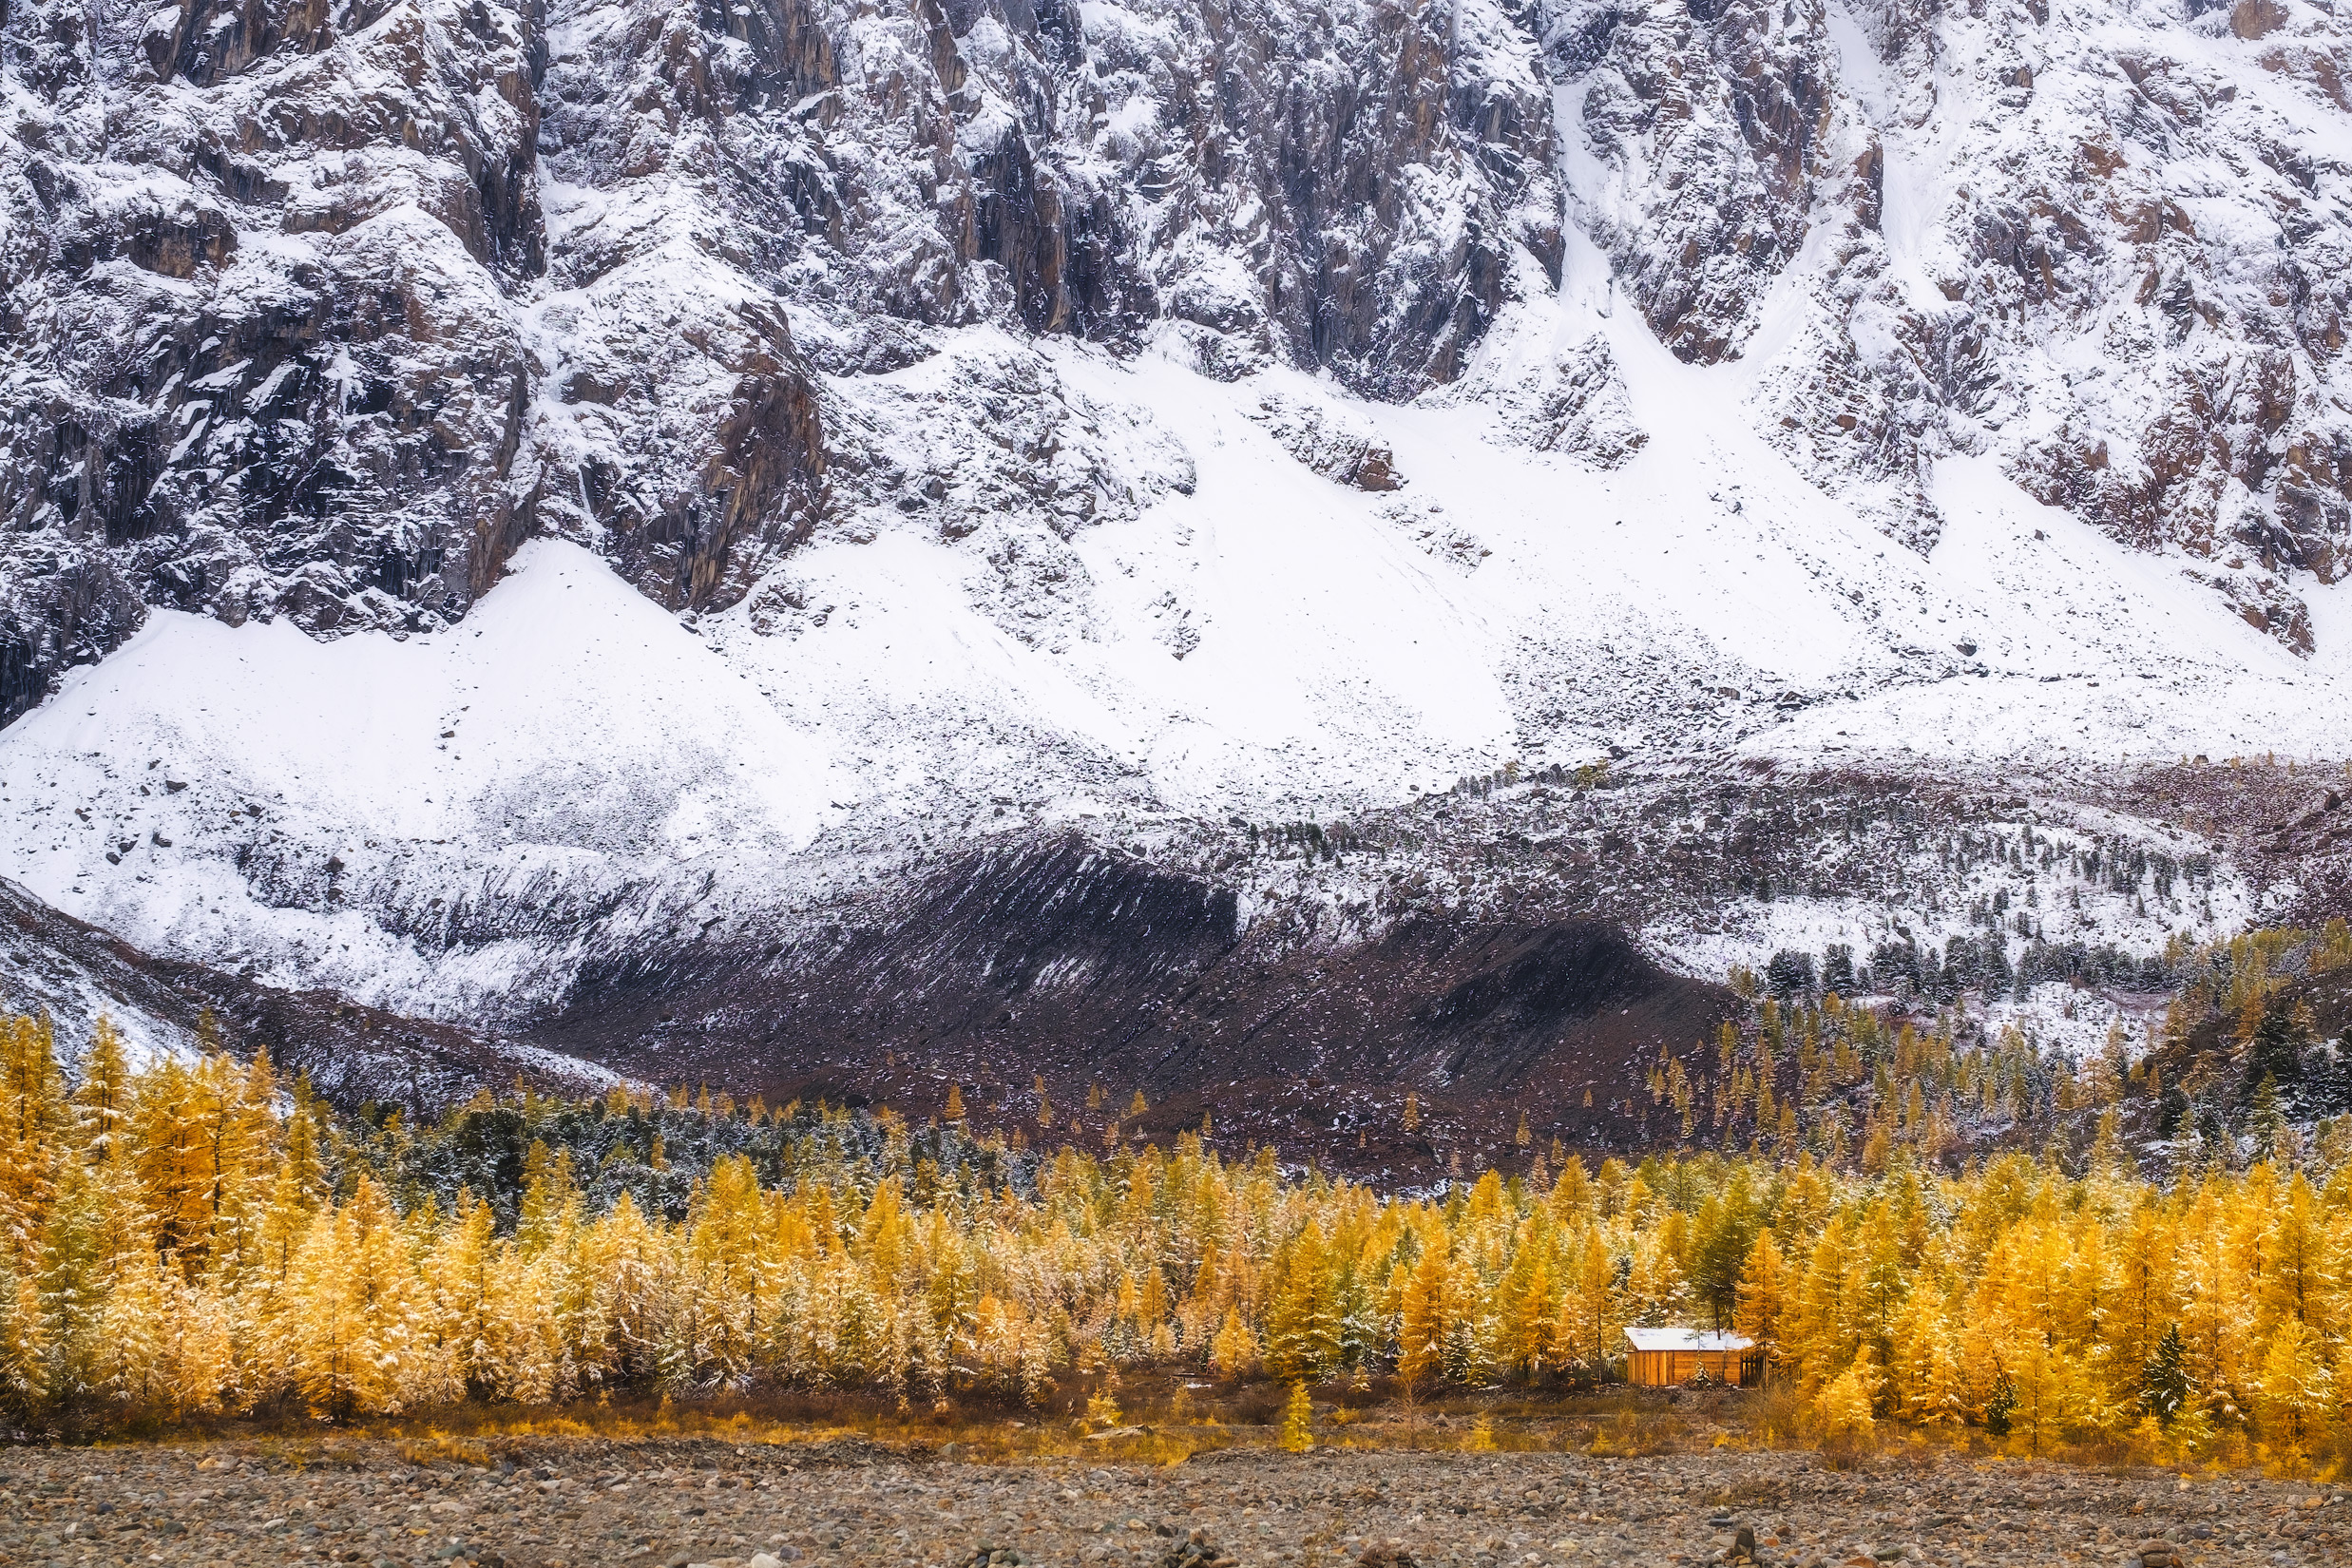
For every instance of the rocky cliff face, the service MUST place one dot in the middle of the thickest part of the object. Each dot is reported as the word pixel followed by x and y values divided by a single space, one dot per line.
pixel 259 279
pixel 316 309
pixel 2104 245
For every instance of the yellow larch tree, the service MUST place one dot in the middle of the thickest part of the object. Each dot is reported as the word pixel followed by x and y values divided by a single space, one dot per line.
pixel 1763 1302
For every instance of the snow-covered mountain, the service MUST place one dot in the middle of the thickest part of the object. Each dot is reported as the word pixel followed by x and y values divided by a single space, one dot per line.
pixel 524 512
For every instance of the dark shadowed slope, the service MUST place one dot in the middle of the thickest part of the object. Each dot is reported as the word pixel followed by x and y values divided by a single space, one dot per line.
pixel 1088 967
pixel 74 971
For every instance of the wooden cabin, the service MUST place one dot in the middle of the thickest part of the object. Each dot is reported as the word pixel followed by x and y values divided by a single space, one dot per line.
pixel 1666 1358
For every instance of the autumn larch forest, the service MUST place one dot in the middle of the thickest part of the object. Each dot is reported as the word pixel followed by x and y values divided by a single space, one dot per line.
pixel 1922 1229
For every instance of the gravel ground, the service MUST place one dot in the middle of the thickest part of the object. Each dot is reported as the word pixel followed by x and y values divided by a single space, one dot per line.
pixel 667 1503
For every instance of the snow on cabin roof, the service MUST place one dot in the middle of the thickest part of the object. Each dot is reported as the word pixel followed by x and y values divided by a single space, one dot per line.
pixel 1686 1339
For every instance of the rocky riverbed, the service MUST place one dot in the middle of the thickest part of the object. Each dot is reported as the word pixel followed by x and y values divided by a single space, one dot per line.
pixel 666 1504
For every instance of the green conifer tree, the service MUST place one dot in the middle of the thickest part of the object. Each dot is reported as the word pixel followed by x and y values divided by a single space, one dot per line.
pixel 2164 1380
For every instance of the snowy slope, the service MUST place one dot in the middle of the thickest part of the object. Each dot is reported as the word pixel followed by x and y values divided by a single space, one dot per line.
pixel 448 822
pixel 336 813
pixel 1272 635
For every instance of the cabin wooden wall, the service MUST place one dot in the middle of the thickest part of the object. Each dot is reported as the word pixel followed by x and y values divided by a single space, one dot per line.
pixel 1666 1368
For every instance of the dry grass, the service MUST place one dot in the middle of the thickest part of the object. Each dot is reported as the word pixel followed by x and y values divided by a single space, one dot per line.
pixel 1167 1418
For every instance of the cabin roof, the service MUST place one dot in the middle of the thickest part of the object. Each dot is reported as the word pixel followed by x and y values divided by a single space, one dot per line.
pixel 1686 1339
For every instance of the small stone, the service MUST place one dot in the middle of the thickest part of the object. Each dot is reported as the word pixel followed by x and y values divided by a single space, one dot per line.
pixel 765 1560
pixel 1198 1551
